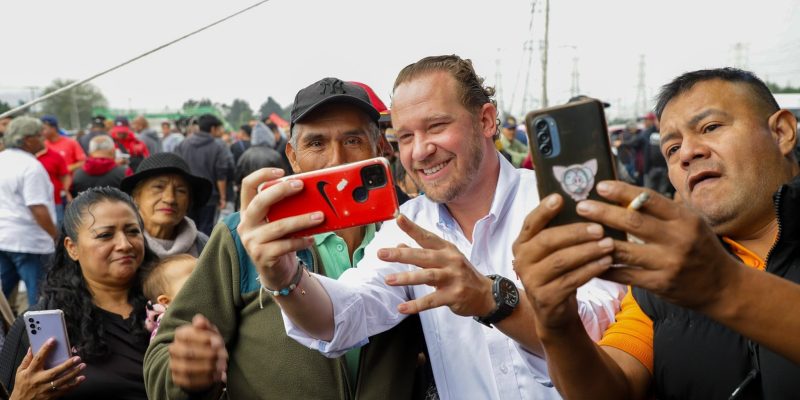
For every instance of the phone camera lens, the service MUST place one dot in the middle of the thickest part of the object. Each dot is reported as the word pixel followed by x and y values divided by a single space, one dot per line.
pixel 30 319
pixel 33 331
pixel 541 125
pixel 360 194
pixel 33 326
pixel 543 139
pixel 373 176
pixel 546 149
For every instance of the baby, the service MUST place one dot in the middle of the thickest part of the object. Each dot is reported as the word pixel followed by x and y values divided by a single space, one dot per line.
pixel 162 283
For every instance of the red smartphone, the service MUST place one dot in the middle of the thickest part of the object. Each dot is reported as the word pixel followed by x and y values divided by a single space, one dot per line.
pixel 349 195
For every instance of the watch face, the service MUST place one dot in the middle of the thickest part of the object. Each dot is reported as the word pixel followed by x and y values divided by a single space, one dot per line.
pixel 509 292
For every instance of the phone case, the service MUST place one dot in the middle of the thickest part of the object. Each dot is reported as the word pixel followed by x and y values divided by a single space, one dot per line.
pixel 581 156
pixel 42 325
pixel 349 195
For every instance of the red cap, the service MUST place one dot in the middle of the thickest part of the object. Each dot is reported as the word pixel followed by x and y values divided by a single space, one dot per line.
pixel 373 98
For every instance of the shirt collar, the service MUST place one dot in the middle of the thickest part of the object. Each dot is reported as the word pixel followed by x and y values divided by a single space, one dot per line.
pixel 322 239
pixel 507 184
pixel 748 257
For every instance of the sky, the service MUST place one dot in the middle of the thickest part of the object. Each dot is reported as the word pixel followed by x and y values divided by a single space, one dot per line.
pixel 284 45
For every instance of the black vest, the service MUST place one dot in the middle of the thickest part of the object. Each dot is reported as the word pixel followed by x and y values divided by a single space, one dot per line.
pixel 696 357
pixel 85 181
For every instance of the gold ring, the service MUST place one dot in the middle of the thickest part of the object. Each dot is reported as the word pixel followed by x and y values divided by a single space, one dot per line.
pixel 53 386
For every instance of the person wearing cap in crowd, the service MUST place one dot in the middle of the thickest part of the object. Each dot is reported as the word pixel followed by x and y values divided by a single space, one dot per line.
pixel 68 148
pixel 239 341
pixel 169 138
pixel 448 257
pixel 164 189
pixel 97 128
pixel 511 145
pixel 27 212
pixel 146 134
pixel 209 158
pixel 127 143
pixel 101 168
pixel 60 177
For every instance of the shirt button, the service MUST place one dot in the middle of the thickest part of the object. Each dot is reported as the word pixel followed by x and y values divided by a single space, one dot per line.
pixel 504 369
pixel 339 247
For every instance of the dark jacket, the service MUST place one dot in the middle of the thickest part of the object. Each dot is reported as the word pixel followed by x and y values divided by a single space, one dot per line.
pixel 206 158
pixel 97 172
pixel 151 140
pixel 264 363
pixel 699 358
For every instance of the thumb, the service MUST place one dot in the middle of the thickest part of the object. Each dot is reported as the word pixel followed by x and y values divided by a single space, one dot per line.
pixel 26 362
pixel 201 322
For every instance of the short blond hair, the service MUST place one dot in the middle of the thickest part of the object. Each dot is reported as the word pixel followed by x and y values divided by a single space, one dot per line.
pixel 154 283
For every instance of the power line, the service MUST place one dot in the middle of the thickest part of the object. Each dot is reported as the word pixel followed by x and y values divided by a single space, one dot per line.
pixel 97 75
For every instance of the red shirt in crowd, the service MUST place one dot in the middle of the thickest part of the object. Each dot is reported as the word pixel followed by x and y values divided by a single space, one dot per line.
pixel 56 167
pixel 69 149
pixel 124 136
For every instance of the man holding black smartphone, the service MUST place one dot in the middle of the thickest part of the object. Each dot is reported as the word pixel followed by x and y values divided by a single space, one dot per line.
pixel 333 123
pixel 451 247
pixel 703 320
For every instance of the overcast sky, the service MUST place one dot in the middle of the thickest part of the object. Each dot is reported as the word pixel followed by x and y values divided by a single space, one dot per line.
pixel 284 45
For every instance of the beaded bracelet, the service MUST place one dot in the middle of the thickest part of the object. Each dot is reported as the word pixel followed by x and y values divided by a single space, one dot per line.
pixel 285 291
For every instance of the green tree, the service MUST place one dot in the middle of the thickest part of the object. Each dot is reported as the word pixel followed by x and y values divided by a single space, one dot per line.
pixel 73 108
pixel 239 113
pixel 192 103
pixel 776 88
pixel 270 106
pixel 4 106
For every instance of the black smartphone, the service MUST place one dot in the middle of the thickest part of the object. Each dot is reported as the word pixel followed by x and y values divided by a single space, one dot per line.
pixel 571 152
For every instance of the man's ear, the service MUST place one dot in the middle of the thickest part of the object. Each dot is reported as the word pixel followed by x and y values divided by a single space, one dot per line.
pixel 488 120
pixel 783 126
pixel 72 248
pixel 292 156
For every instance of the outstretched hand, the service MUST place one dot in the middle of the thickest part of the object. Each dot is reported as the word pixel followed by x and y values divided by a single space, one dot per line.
pixel 458 284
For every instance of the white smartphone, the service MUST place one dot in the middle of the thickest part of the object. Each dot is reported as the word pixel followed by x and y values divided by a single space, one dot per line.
pixel 46 324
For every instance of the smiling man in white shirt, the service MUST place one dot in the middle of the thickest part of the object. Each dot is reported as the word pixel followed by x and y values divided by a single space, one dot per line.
pixel 451 247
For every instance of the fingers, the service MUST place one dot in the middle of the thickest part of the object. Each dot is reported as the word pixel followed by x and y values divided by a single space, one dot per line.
pixel 537 219
pixel 554 239
pixel 639 255
pixel 424 258
pixel 622 193
pixel 259 206
pixel 198 357
pixel 421 304
pixel 71 363
pixel 26 361
pixel 38 359
pixel 431 277
pixel 69 379
pixel 250 183
pixel 563 262
pixel 424 238
pixel 557 290
pixel 281 228
pixel 643 225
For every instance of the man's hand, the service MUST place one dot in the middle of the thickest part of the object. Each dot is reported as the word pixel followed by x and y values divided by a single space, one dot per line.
pixel 458 284
pixel 681 260
pixel 197 357
pixel 268 243
pixel 554 262
pixel 34 382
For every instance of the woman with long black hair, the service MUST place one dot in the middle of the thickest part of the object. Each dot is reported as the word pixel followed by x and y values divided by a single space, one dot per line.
pixel 95 280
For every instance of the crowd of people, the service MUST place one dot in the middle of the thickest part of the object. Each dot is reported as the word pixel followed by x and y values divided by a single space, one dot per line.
pixel 175 285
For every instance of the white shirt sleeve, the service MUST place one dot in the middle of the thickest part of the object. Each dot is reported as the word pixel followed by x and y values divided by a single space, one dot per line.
pixel 363 304
pixel 36 187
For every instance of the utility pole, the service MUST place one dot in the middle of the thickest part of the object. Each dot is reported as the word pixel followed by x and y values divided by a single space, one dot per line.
pixel 527 49
pixel 641 95
pixel 575 88
pixel 740 55
pixel 498 79
pixel 544 51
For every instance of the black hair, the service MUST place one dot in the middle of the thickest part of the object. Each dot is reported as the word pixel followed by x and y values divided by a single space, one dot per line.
pixel 207 122
pixel 686 81
pixel 65 288
pixel 247 129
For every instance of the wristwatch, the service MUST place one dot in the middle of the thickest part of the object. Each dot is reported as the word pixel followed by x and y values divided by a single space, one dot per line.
pixel 506 298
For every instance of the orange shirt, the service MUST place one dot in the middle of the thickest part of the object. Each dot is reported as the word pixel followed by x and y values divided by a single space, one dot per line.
pixel 632 331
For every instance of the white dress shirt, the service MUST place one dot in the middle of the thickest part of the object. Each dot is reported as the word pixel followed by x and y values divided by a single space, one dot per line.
pixel 469 360
pixel 24 182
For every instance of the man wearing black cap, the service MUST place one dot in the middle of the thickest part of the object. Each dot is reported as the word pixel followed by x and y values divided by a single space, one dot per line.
pixel 98 128
pixel 332 123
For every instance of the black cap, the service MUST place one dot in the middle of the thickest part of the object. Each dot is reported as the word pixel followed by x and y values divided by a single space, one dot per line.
pixel 331 90
pixel 121 121
pixel 99 120
pixel 169 163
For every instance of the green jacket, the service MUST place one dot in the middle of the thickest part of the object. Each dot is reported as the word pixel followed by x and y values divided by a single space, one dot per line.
pixel 264 363
pixel 516 149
